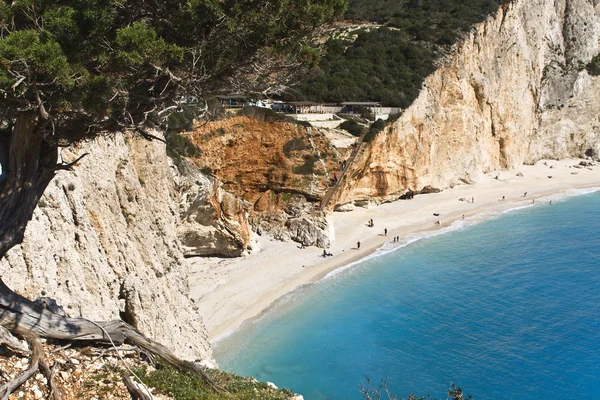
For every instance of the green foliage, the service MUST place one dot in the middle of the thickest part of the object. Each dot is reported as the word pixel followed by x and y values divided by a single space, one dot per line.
pixel 375 128
pixel 183 119
pixel 139 43
pixel 293 145
pixel 593 67
pixel 92 65
pixel 353 127
pixel 183 386
pixel 180 146
pixel 308 167
pixel 389 64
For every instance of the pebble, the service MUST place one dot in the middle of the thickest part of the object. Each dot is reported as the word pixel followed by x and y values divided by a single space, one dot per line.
pixel 37 393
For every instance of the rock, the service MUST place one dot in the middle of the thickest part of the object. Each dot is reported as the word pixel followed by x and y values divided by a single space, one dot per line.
pixel 272 385
pixel 110 249
pixel 520 174
pixel 37 393
pixel 310 230
pixel 213 221
pixel 347 207
pixel 364 203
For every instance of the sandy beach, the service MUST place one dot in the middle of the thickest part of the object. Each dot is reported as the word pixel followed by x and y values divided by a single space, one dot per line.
pixel 229 291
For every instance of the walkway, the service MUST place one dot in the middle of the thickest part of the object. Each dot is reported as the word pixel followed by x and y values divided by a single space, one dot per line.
pixel 333 189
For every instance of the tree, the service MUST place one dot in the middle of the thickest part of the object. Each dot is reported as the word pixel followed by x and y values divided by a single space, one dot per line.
pixel 73 69
pixel 382 391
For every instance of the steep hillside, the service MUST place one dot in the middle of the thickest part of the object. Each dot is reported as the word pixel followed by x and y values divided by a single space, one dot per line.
pixel 388 62
pixel 104 244
pixel 281 169
pixel 514 91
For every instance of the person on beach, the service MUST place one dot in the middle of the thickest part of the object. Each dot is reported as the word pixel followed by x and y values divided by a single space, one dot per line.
pixel 385 232
pixel 525 194
pixel 503 198
pixel 473 199
pixel 463 216
pixel 437 222
pixel 550 202
pixel 324 253
pixel 358 245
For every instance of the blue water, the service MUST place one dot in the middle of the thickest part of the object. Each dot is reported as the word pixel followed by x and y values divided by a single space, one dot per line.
pixel 508 308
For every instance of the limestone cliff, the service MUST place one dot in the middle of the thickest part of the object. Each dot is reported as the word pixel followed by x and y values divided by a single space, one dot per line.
pixel 213 222
pixel 513 91
pixel 104 243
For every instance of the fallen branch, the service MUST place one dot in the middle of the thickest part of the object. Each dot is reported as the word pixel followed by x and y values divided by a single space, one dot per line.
pixel 49 374
pixel 14 344
pixel 36 352
pixel 134 390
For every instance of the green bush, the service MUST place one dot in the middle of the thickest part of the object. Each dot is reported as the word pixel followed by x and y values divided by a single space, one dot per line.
pixel 593 67
pixel 294 144
pixel 308 167
pixel 179 146
pixel 353 127
pixel 183 386
pixel 375 128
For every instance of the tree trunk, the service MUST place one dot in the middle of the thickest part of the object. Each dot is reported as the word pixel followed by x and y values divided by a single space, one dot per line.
pixel 31 165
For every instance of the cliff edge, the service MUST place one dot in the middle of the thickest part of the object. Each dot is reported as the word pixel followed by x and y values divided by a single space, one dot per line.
pixel 513 91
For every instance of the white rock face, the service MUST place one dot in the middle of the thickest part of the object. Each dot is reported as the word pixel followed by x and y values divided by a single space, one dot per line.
pixel 103 242
pixel 213 222
pixel 515 90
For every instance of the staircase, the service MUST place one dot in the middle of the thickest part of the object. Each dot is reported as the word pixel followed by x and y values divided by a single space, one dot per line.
pixel 333 189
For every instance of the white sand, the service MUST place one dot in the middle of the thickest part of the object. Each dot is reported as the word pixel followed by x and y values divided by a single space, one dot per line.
pixel 229 291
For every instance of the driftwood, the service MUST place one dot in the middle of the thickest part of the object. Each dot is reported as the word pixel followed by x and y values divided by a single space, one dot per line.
pixel 133 389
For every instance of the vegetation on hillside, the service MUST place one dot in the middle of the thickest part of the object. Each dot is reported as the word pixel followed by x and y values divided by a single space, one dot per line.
pixel 594 66
pixel 390 63
pixel 183 386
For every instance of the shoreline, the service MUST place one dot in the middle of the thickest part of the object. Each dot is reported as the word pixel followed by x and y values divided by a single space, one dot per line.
pixel 231 291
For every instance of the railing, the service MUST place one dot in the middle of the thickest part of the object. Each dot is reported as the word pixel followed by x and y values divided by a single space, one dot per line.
pixel 331 191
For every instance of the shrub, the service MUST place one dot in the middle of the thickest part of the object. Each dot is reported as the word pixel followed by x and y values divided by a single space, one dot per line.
pixel 593 67
pixel 354 128
pixel 308 167
pixel 375 128
pixel 292 145
pixel 179 146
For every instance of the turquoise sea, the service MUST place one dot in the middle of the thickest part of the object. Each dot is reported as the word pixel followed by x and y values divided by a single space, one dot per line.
pixel 506 308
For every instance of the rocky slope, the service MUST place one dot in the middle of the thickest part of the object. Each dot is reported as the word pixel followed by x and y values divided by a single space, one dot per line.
pixel 515 90
pixel 104 244
pixel 280 169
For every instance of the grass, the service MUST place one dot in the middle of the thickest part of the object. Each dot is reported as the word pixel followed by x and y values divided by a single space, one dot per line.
pixel 183 386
